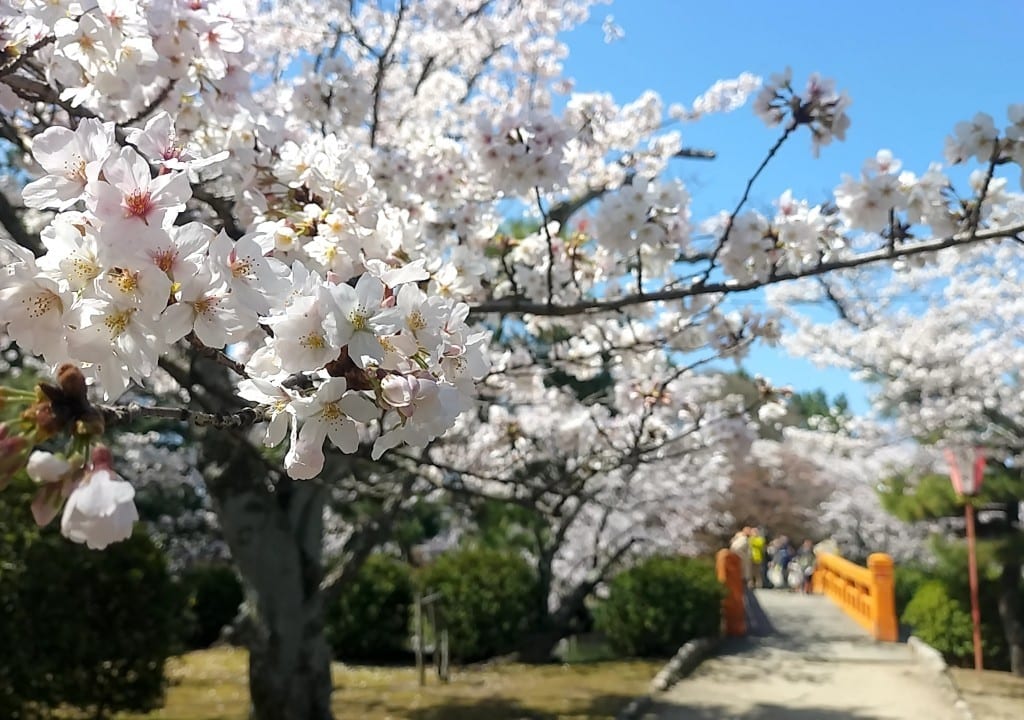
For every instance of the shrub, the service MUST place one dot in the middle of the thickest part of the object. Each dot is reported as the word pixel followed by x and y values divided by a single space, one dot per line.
pixel 16 673
pixel 213 594
pixel 908 579
pixel 489 600
pixel 940 614
pixel 940 620
pixel 657 606
pixel 370 620
pixel 93 628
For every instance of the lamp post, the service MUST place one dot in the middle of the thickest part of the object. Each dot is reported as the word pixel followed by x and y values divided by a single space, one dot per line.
pixel 967 488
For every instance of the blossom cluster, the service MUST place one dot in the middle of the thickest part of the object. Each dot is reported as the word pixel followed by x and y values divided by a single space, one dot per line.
pixel 819 107
pixel 722 97
pixel 647 216
pixel 522 153
pixel 117 57
pixel 98 505
pixel 121 282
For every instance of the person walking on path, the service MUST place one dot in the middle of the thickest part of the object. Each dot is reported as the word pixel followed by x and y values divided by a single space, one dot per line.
pixel 740 544
pixel 757 553
pixel 806 561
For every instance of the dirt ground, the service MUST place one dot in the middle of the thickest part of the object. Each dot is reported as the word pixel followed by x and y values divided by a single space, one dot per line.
pixel 991 695
pixel 213 685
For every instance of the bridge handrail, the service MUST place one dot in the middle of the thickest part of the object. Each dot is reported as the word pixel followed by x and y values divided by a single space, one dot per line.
pixel 865 594
pixel 729 569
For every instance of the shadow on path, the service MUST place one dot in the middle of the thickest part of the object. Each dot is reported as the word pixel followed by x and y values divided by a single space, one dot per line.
pixel 761 711
pixel 758 622
pixel 503 708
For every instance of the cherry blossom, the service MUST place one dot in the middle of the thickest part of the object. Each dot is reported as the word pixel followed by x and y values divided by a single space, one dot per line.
pixel 101 508
pixel 131 201
pixel 71 159
pixel 331 413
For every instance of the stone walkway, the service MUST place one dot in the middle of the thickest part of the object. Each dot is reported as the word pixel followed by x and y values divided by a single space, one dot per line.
pixel 806 660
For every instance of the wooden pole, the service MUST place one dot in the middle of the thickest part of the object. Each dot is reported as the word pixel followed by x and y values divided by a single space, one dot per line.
pixel 444 655
pixel 420 666
pixel 972 570
pixel 436 656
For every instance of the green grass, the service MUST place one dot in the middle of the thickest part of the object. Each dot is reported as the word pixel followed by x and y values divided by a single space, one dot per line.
pixel 212 685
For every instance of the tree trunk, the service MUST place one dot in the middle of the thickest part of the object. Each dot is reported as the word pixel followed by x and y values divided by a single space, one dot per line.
pixel 276 536
pixel 1009 614
pixel 539 646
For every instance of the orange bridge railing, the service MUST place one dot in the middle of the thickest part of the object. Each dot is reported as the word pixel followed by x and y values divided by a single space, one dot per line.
pixel 865 594
pixel 734 612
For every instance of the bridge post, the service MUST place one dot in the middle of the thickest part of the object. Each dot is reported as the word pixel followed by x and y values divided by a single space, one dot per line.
pixel 884 597
pixel 734 612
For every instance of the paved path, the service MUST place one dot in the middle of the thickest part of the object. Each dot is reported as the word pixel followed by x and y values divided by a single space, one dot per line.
pixel 810 662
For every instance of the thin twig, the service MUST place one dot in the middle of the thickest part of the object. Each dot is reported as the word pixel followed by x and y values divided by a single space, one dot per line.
pixel 25 56
pixel 153 105
pixel 746 195
pixel 215 354
pixel 975 221
pixel 382 65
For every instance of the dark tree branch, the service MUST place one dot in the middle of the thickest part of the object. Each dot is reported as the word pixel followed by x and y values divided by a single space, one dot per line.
pixel 700 287
pixel 362 542
pixel 224 209
pixel 128 414
pixel 16 228
pixel 31 50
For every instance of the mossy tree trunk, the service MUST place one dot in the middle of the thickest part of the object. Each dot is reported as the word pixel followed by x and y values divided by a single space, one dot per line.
pixel 275 532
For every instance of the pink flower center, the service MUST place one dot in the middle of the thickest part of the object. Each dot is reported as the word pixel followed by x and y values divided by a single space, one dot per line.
pixel 164 259
pixel 139 204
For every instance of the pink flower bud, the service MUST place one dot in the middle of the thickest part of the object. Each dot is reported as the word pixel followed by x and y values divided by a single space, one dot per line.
pixel 102 458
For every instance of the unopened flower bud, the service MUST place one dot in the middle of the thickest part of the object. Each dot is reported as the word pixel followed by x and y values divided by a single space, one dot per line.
pixel 64 407
pixel 102 458
pixel 72 382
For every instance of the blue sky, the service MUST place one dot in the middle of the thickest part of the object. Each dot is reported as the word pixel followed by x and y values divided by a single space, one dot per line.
pixel 913 69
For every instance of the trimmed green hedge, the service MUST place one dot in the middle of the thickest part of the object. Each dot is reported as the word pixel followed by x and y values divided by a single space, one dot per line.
pixel 213 594
pixel 488 600
pixel 89 629
pixel 659 605
pixel 370 620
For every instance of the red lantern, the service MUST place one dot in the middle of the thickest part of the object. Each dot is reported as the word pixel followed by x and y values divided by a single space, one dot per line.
pixel 963 485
